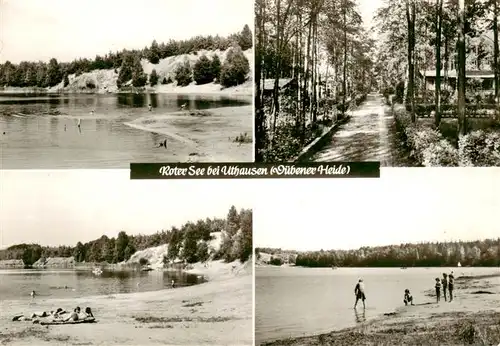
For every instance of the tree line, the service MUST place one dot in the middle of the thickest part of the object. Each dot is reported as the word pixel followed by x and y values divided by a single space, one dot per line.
pixel 440 35
pixel 41 74
pixel 472 253
pixel 189 243
pixel 323 48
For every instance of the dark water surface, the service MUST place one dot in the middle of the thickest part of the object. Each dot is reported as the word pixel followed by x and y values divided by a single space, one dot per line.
pixel 41 131
pixel 18 283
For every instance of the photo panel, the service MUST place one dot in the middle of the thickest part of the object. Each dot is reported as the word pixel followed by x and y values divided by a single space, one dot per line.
pixel 133 262
pixel 405 83
pixel 379 262
pixel 114 84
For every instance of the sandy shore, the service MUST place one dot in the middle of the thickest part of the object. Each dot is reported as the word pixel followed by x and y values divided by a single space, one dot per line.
pixel 472 318
pixel 211 136
pixel 245 89
pixel 215 313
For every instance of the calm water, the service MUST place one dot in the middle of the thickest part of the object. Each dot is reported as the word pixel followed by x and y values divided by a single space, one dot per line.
pixel 42 131
pixel 292 302
pixel 18 283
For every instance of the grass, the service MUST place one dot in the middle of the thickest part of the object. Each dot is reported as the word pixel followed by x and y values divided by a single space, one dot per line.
pixel 243 138
pixel 481 328
pixel 153 319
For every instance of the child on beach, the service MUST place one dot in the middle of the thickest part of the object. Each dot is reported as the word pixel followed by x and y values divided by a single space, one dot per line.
pixel 444 282
pixel 451 283
pixel 438 290
pixel 408 299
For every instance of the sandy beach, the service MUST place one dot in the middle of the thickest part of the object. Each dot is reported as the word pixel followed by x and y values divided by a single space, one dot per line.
pixel 210 133
pixel 472 318
pixel 218 312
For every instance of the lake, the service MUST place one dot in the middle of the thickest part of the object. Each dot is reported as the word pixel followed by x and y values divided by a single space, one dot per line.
pixel 40 131
pixel 293 301
pixel 17 284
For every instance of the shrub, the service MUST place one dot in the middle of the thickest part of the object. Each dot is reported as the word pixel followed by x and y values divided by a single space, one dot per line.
pixel 400 91
pixel 139 79
pixel 202 71
pixel 235 68
pixel 183 74
pixel 243 138
pixel 90 84
pixel 427 145
pixel 143 261
pixel 153 78
pixel 66 80
pixel 479 148
pixel 164 81
pixel 216 67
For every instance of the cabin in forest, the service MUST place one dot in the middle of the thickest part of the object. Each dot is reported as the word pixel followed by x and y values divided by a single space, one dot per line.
pixel 484 79
pixel 283 85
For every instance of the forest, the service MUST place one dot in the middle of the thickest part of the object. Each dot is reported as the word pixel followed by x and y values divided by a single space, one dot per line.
pixel 127 63
pixel 472 253
pixel 187 243
pixel 447 37
pixel 313 60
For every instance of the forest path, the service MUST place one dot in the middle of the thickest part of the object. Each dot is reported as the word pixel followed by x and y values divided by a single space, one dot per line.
pixel 369 135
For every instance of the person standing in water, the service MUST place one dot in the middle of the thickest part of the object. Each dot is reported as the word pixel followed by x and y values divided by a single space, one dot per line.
pixel 33 294
pixel 359 291
pixel 408 299
pixel 438 290
pixel 173 284
pixel 451 283
pixel 150 107
pixel 444 282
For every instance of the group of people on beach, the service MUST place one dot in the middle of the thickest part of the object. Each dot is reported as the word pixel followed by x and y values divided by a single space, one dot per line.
pixel 57 315
pixel 447 283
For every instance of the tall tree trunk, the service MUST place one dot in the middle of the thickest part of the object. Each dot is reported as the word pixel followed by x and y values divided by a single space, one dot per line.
pixel 312 109
pixel 307 96
pixel 439 10
pixel 461 69
pixel 259 111
pixel 410 17
pixel 496 63
pixel 344 78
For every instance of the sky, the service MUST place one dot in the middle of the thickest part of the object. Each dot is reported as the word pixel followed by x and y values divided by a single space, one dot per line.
pixel 63 207
pixel 39 30
pixel 367 10
pixel 404 205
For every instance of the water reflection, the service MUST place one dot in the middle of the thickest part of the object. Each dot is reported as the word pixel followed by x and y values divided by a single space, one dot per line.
pixel 360 316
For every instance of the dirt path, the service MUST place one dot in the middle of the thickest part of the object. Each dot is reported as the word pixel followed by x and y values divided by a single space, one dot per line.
pixel 369 135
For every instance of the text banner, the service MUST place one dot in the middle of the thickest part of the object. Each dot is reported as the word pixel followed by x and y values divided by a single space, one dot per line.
pixel 248 170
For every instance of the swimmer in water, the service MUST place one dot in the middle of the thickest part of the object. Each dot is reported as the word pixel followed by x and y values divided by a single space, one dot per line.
pixel 92 112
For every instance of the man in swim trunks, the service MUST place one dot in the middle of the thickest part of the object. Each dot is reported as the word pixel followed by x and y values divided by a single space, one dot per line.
pixel 451 283
pixel 359 291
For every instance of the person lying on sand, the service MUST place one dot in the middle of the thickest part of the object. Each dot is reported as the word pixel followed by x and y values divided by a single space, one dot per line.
pixel 43 314
pixel 408 299
pixel 359 291
pixel 74 315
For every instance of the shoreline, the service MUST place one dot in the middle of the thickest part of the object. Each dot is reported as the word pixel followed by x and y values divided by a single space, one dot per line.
pixel 473 316
pixel 243 90
pixel 216 312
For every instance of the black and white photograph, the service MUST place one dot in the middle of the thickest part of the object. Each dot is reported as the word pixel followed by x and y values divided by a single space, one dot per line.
pixel 384 262
pixel 89 257
pixel 102 83
pixel 408 83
